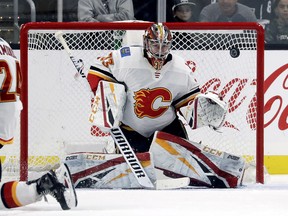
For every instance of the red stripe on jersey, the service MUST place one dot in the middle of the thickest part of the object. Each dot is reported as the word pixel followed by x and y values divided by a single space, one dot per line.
pixel 8 195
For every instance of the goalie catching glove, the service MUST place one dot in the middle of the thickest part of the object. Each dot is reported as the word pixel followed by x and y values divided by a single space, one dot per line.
pixel 107 105
pixel 206 110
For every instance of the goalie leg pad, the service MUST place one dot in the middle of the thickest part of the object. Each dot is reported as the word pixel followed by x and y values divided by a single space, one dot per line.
pixel 204 166
pixel 106 171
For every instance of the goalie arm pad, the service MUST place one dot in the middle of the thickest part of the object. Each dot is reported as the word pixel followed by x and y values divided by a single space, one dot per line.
pixel 206 110
pixel 107 105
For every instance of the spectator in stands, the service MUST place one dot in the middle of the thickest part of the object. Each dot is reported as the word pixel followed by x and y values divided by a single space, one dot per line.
pixel 227 11
pixel 105 10
pixel 196 9
pixel 261 8
pixel 277 31
pixel 183 11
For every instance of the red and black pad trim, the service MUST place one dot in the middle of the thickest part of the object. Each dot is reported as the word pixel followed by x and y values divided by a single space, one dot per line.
pixel 231 180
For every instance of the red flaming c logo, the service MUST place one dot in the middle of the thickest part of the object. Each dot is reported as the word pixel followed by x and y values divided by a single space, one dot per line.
pixel 144 105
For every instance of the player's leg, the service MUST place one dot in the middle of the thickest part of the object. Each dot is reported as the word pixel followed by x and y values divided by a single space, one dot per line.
pixel 16 194
pixel 56 183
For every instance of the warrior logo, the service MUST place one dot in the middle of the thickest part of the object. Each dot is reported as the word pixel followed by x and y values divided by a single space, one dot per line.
pixel 151 103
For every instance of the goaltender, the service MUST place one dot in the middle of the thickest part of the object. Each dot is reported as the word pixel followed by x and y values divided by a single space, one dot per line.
pixel 157 86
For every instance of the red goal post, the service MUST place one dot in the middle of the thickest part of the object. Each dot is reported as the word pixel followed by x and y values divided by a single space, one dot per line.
pixel 225 57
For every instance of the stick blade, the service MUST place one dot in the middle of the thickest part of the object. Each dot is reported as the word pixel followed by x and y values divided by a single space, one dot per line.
pixel 164 184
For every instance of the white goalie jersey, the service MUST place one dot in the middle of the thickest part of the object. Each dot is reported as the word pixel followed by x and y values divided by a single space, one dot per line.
pixel 161 91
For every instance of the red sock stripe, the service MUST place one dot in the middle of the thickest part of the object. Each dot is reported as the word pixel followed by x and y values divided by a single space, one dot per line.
pixel 8 195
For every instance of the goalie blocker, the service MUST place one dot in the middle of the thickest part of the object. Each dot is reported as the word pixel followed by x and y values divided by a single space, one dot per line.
pixel 107 105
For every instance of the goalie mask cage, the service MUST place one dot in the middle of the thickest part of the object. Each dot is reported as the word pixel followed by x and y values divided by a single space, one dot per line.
pixel 225 57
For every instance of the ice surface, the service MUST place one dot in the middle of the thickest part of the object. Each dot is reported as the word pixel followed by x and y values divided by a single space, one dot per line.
pixel 269 199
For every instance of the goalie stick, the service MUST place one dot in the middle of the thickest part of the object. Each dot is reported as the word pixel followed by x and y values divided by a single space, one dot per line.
pixel 121 141
pixel 79 65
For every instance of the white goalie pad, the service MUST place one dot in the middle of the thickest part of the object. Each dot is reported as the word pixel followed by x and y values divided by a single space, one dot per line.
pixel 206 110
pixel 107 106
pixel 204 166
pixel 106 171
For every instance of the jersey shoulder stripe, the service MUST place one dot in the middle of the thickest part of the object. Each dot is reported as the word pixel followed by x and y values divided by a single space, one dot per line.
pixel 96 71
pixel 183 101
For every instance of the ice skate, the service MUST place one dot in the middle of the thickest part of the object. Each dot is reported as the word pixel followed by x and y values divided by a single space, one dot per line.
pixel 58 184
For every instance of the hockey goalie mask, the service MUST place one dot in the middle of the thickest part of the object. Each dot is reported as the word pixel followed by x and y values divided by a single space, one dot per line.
pixel 157 44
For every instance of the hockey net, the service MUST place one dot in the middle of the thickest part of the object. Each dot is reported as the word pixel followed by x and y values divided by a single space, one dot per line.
pixel 224 58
